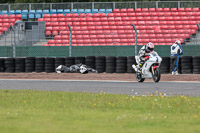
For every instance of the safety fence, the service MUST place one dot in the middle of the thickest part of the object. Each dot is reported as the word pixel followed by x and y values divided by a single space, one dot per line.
pixel 107 64
pixel 100 5
pixel 81 51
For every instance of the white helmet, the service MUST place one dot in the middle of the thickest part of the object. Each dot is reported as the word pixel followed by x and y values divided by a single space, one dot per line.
pixel 149 47
pixel 83 69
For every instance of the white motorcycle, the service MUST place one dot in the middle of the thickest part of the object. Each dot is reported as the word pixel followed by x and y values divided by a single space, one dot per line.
pixel 150 68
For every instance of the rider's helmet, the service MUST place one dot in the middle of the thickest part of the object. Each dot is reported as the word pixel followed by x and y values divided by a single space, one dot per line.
pixel 178 42
pixel 83 69
pixel 149 47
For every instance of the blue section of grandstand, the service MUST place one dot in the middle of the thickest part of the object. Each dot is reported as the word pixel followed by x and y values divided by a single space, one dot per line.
pixel 34 14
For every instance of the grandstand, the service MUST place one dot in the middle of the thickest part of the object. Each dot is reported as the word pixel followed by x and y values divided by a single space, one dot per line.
pixel 107 27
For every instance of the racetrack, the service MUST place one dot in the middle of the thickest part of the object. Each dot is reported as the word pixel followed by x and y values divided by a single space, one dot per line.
pixel 168 88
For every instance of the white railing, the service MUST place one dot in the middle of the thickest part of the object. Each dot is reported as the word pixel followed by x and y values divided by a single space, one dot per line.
pixel 99 5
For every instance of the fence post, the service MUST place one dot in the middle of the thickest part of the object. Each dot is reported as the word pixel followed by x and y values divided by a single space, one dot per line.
pixel 135 39
pixel 70 42
pixel 113 5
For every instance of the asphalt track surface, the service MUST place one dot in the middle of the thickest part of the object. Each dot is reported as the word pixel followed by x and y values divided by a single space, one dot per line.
pixel 110 87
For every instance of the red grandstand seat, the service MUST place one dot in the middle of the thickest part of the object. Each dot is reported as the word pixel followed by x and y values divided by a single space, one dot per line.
pixel 86 36
pixel 145 9
pixel 55 33
pixel 46 16
pixel 123 10
pixel 61 19
pixel 195 9
pixel 65 41
pixel 61 24
pixel 89 15
pixel 111 19
pixel 131 14
pixel 64 37
pixel 83 23
pixel 40 19
pixel 60 15
pixel 85 32
pixel 188 9
pixel 96 19
pixel 79 41
pixel 74 15
pixel 48 33
pixel 11 16
pixel 159 9
pixel 130 10
pixel 152 9
pixel 105 27
pixel 68 15
pixel 47 19
pixel 138 10
pixel 118 18
pixel 63 28
pixel 55 28
pixel 96 15
pixel 53 19
pixel 138 14
pixel 116 10
pixel 67 23
pixel 123 14
pixel 102 14
pixel 76 23
pixel 89 19
pixel 101 40
pixel 166 9
pixel 181 9
pixel 110 15
pixel 12 20
pixel 51 41
pixel 160 14
pixel 58 41
pixel 104 23
pixel 173 9
pixel 81 15
pixel 90 23
pixel 64 32
pixel 103 19
pixel 53 15
pixel 18 16
pixel 68 19
pixel 5 16
pixel 75 19
pixel 49 28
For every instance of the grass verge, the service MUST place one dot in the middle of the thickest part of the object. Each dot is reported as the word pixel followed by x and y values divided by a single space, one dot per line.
pixel 28 111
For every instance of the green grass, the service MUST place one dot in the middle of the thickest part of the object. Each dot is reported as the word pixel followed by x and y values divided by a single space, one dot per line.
pixel 28 111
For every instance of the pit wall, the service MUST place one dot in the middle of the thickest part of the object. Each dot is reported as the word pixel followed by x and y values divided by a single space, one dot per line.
pixel 81 51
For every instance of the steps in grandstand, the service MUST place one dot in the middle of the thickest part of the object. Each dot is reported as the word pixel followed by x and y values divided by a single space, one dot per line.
pixel 195 39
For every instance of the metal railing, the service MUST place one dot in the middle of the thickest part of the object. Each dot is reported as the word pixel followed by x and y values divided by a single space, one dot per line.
pixel 99 5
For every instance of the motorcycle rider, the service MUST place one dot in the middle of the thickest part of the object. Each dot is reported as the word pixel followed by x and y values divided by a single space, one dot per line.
pixel 176 50
pixel 83 69
pixel 143 55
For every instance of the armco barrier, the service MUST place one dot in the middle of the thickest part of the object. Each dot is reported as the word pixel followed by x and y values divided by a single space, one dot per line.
pixel 108 64
pixel 78 51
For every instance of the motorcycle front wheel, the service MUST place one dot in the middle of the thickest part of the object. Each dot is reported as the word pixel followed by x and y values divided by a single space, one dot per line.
pixel 156 75
pixel 139 77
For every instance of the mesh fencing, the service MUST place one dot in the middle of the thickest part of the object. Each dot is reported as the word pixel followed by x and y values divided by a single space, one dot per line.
pixel 100 5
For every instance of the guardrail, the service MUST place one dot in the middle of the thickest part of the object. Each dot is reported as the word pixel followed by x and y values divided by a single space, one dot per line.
pixel 99 5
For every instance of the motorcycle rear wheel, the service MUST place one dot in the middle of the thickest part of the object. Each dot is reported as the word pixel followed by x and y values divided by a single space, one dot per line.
pixel 156 76
pixel 139 77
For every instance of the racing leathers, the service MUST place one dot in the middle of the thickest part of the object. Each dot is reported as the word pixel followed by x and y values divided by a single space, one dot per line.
pixel 176 51
pixel 142 57
pixel 74 69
